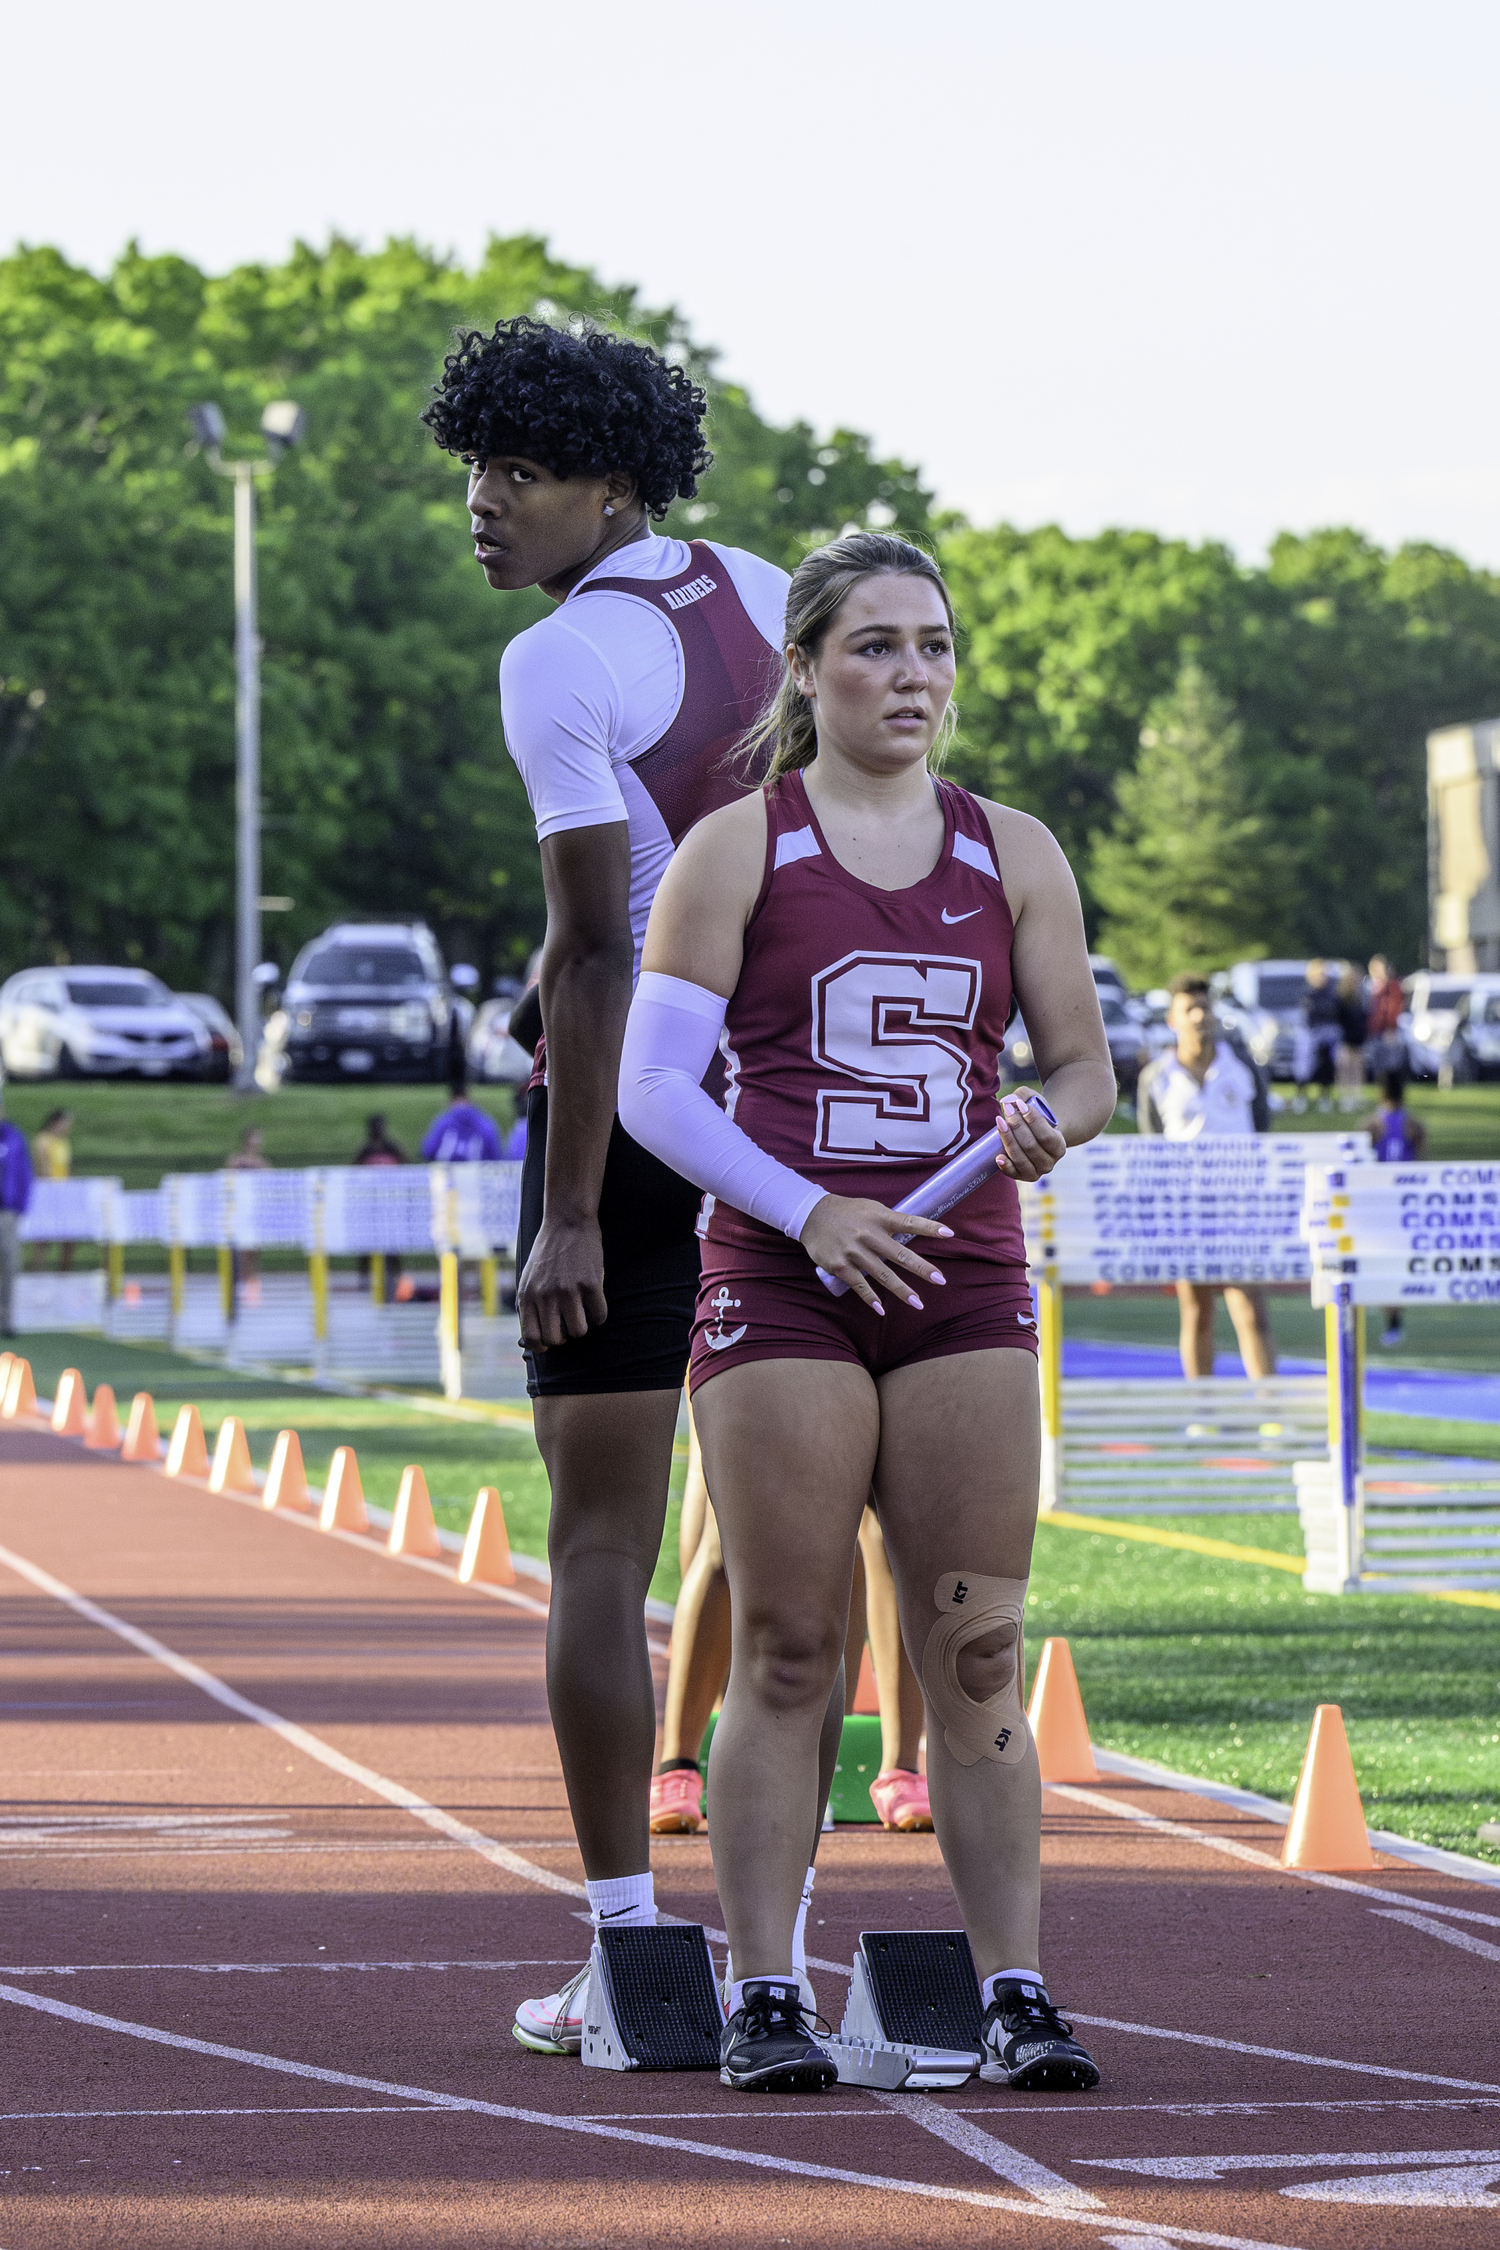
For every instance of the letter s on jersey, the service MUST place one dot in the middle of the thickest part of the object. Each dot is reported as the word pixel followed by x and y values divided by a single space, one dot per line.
pixel 893 1023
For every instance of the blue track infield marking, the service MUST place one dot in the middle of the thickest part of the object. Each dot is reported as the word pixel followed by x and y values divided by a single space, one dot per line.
pixel 427 2098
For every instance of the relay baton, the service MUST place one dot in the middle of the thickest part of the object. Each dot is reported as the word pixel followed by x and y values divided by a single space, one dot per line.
pixel 959 1177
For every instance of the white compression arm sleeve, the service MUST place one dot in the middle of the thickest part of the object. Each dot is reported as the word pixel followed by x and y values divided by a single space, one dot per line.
pixel 670 1039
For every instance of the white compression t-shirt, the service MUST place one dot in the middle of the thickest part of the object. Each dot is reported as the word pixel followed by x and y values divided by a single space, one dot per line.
pixel 594 686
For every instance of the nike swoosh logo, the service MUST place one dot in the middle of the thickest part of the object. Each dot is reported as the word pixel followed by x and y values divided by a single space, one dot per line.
pixel 973 910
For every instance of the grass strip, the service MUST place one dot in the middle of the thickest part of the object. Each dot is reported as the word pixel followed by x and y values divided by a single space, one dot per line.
pixel 1190 1542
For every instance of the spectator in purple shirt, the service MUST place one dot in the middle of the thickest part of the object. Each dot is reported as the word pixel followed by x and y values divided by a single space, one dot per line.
pixel 462 1134
pixel 15 1195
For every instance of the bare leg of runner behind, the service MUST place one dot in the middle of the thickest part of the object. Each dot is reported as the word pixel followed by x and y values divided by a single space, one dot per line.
pixel 791 1450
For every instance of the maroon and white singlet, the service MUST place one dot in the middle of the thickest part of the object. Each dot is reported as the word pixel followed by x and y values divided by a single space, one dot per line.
pixel 863 1043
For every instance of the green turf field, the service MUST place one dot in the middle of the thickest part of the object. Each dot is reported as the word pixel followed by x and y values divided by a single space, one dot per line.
pixel 1210 1667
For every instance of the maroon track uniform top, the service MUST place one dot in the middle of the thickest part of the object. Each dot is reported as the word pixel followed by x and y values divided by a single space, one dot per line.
pixel 864 1037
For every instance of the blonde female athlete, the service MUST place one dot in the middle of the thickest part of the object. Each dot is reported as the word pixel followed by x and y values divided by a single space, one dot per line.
pixel 852 938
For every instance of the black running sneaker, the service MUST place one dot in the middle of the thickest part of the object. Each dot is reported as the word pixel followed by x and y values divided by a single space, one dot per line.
pixel 1027 2044
pixel 766 2046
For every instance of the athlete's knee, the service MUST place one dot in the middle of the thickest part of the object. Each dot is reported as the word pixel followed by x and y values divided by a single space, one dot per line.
pixel 986 1665
pixel 969 1667
pixel 788 1658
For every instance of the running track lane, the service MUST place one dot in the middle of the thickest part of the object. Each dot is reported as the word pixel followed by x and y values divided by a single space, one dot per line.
pixel 285 1839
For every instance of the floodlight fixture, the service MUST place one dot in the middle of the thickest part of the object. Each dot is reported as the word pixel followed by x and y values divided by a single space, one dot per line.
pixel 207 425
pixel 284 423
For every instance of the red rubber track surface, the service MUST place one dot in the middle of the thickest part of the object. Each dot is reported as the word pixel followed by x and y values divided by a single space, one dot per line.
pixel 180 1876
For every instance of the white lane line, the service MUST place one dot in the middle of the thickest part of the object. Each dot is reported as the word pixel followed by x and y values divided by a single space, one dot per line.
pixel 281 2109
pixel 995 2155
pixel 1256 1858
pixel 253 1968
pixel 714 2151
pixel 1285 2054
pixel 1211 2167
pixel 1425 1923
pixel 295 1737
pixel 124 1850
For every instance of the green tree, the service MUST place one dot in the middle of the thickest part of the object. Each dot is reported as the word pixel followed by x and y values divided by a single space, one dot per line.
pixel 1337 658
pixel 387 786
pixel 1181 874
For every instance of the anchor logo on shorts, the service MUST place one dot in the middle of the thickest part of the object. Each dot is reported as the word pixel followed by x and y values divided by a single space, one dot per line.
pixel 719 1338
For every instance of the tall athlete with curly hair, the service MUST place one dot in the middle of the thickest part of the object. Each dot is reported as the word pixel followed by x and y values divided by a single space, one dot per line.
pixel 850 939
pixel 619 709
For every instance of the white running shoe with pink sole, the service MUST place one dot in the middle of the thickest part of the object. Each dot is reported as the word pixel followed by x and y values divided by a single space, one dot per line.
pixel 554 2026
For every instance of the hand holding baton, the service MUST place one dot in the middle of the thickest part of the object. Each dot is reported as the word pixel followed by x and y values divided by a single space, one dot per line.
pixel 959 1177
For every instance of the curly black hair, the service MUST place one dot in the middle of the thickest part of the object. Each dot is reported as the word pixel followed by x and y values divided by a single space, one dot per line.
pixel 581 403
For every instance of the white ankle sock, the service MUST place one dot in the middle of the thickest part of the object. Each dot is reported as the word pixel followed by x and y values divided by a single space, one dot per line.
pixel 623 1901
pixel 799 1927
pixel 1030 1978
pixel 736 1997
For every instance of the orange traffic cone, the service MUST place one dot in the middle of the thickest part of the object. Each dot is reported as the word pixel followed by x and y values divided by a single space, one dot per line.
pixel 142 1443
pixel 231 1471
pixel 343 1506
pixel 70 1406
pixel 20 1391
pixel 1057 1720
pixel 7 1362
pixel 486 1556
pixel 103 1434
pixel 187 1455
pixel 286 1482
pixel 867 1687
pixel 413 1531
pixel 1327 1828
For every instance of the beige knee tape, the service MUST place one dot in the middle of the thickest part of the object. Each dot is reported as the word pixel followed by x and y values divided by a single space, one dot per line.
pixel 971 1607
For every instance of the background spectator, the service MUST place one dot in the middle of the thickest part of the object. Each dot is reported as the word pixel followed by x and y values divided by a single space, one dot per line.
pixel 462 1134
pixel 380 1149
pixel 1385 1004
pixel 250 1156
pixel 52 1159
pixel 1399 1138
pixel 15 1195
pixel 1317 1035
pixel 1202 1088
pixel 1351 1054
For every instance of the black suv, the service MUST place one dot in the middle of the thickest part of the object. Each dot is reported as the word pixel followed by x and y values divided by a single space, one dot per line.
pixel 367 1000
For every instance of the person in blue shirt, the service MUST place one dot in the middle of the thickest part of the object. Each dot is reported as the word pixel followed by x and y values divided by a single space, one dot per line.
pixel 1398 1138
pixel 462 1134
pixel 15 1196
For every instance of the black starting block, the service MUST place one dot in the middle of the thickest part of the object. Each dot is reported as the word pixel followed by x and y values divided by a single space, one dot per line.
pixel 653 2003
pixel 916 1990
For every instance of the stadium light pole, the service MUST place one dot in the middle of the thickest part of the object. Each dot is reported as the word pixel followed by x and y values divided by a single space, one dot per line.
pixel 282 423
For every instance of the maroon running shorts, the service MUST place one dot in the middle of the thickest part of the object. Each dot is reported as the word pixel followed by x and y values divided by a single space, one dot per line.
pixel 770 1304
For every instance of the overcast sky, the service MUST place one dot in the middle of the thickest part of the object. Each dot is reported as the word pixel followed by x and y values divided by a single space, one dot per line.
pixel 1212 270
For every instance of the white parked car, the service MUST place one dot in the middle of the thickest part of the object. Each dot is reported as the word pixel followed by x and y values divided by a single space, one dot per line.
pixel 1262 1001
pixel 1473 1050
pixel 1434 1003
pixel 98 1023
pixel 493 1055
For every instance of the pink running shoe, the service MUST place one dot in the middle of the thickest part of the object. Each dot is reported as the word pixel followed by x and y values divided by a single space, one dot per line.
pixel 676 1802
pixel 900 1798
